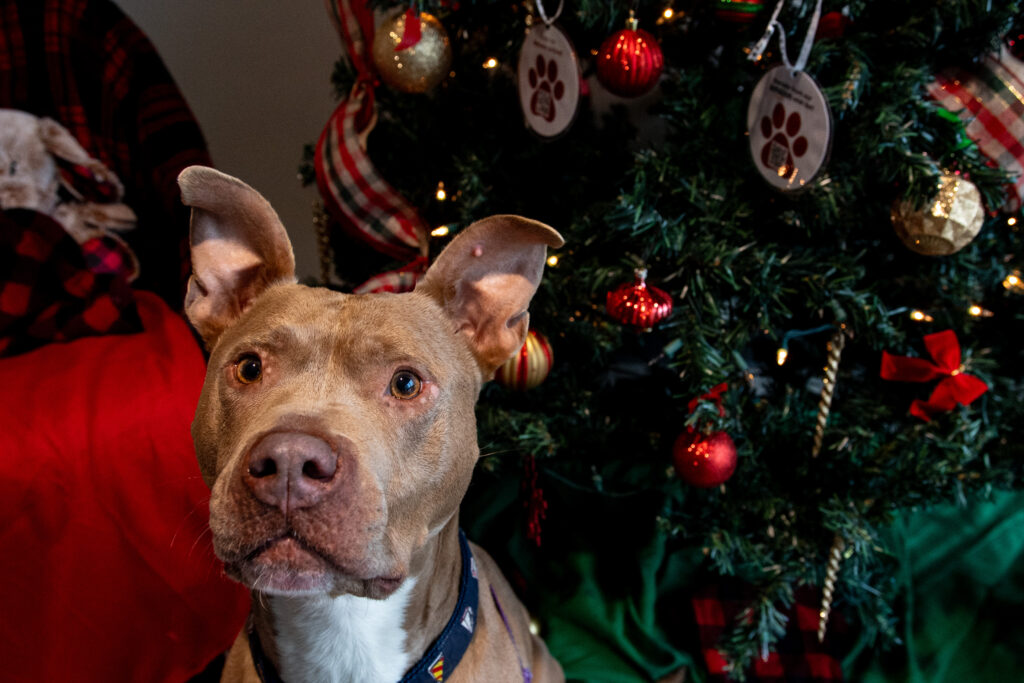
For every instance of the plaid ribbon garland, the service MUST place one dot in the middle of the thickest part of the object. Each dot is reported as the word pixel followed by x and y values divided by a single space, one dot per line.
pixel 402 279
pixel 354 192
pixel 354 22
pixel 990 102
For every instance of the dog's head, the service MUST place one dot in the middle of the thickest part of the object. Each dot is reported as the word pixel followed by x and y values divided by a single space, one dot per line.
pixel 337 431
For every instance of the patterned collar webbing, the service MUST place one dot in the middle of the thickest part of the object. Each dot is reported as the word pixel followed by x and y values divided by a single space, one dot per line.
pixel 446 652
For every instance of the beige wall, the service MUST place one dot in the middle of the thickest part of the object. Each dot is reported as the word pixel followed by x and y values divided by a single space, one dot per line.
pixel 257 76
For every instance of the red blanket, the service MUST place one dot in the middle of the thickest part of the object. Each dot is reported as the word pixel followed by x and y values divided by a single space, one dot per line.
pixel 106 569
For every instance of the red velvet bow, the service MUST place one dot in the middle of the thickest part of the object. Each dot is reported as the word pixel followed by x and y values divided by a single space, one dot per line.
pixel 714 395
pixel 955 386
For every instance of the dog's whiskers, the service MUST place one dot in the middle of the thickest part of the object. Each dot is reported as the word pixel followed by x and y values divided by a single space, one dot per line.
pixel 195 508
pixel 202 534
pixel 260 593
pixel 491 454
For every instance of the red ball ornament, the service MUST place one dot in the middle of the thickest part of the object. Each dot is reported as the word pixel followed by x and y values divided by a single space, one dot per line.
pixel 832 25
pixel 629 62
pixel 639 304
pixel 704 460
pixel 529 366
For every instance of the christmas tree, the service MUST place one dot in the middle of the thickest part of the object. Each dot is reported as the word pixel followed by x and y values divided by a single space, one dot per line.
pixel 786 303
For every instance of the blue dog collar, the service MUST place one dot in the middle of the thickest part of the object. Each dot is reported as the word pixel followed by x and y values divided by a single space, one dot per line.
pixel 447 651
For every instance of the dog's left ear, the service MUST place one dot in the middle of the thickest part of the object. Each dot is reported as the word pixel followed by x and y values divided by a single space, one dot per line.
pixel 485 279
pixel 239 248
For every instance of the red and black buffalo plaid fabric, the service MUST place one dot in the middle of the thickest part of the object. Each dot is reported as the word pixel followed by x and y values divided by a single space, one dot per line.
pixel 798 657
pixel 86 65
pixel 50 292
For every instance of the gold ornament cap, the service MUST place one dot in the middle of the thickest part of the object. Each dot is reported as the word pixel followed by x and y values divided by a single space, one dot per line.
pixel 947 224
pixel 415 69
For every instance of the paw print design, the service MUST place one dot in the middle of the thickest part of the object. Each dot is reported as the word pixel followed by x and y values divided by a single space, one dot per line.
pixel 782 144
pixel 548 89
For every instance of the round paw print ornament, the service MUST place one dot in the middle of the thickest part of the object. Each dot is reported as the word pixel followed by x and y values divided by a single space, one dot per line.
pixel 790 128
pixel 549 78
pixel 789 124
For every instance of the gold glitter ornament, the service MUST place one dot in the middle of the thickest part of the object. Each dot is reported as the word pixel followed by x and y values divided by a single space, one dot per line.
pixel 418 68
pixel 945 225
pixel 835 556
pixel 828 388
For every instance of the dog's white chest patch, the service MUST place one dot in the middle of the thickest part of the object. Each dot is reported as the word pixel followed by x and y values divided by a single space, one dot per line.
pixel 341 640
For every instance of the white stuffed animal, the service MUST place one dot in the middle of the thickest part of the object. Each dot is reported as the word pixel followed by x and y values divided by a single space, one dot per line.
pixel 30 179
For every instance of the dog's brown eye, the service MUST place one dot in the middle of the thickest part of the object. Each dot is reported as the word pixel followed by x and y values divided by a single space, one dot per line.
pixel 248 369
pixel 406 385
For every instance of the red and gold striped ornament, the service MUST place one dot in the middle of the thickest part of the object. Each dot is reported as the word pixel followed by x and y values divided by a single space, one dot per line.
pixel 638 303
pixel 629 62
pixel 530 366
pixel 738 11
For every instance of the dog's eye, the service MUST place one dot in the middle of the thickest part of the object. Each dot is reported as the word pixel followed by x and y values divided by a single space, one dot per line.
pixel 248 369
pixel 406 385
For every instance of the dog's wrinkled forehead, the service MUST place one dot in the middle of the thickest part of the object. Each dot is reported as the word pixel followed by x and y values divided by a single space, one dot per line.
pixel 306 323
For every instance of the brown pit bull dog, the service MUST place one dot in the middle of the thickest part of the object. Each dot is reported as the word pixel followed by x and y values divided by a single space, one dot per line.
pixel 338 436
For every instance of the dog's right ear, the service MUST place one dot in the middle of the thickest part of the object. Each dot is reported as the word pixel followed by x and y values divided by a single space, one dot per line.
pixel 485 279
pixel 239 247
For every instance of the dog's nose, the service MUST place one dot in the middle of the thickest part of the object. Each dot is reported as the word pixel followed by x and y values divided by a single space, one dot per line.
pixel 291 470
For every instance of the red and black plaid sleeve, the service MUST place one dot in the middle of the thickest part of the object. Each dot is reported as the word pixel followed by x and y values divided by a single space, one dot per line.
pixel 86 65
pixel 50 293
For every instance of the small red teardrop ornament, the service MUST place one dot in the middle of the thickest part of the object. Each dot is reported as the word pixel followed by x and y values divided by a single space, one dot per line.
pixel 704 460
pixel 629 62
pixel 638 303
